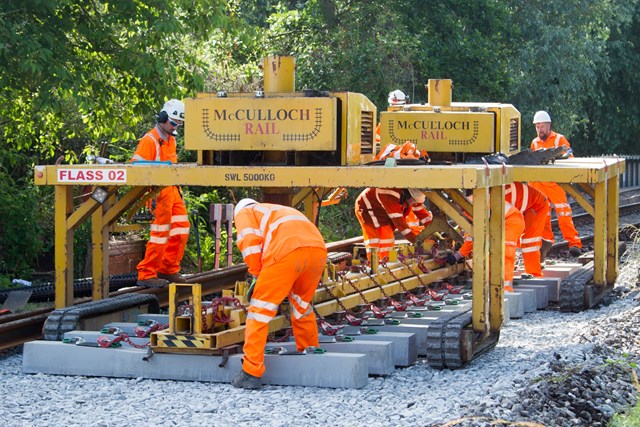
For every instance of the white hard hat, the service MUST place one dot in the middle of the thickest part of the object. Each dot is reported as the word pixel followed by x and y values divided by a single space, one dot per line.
pixel 242 204
pixel 417 195
pixel 397 97
pixel 541 117
pixel 174 109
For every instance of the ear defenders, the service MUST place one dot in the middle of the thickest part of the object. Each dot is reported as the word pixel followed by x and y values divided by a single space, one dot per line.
pixel 163 117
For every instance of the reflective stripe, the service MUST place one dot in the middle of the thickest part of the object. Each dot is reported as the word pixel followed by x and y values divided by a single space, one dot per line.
pixel 302 303
pixel 560 205
pixel 510 244
pixel 531 240
pixel 247 231
pixel 263 304
pixel 255 249
pixel 179 230
pixel 405 231
pixel 299 315
pixel 155 141
pixel 158 240
pixel 160 227
pixel 395 215
pixel 389 192
pixel 387 241
pixel 374 219
pixel 259 317
pixel 180 218
pixel 528 249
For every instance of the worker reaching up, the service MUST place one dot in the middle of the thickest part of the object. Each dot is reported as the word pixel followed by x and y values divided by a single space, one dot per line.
pixel 287 254
pixel 380 211
pixel 535 210
pixel 170 227
pixel 557 196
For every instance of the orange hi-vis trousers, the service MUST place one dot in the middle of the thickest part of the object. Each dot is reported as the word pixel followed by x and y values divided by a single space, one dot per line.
pixel 295 276
pixel 381 238
pixel 558 199
pixel 513 228
pixel 530 242
pixel 168 236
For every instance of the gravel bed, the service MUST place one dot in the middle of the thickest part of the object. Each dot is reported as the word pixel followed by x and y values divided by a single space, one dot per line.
pixel 549 368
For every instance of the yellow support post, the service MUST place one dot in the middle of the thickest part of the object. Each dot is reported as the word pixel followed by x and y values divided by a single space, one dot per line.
pixel 496 257
pixel 63 246
pixel 481 242
pixel 99 254
pixel 613 203
pixel 600 233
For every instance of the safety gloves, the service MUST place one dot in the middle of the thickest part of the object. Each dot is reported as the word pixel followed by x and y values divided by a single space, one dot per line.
pixel 251 281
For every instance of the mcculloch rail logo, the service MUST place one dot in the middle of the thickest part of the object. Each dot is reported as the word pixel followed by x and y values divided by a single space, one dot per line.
pixel 257 114
pixel 434 125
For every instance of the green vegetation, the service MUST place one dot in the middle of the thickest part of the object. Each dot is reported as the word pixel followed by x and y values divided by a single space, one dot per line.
pixel 79 73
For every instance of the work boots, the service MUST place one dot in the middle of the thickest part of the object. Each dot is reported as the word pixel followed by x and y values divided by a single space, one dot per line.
pixel 575 251
pixel 173 278
pixel 544 250
pixel 154 282
pixel 244 380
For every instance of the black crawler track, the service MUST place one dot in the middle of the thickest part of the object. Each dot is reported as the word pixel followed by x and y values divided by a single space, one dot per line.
pixel 68 318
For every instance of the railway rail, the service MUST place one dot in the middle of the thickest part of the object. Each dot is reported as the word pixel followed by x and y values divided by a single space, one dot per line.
pixel 18 328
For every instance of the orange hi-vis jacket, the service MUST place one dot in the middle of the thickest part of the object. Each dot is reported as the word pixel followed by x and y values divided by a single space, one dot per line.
pixel 380 211
pixel 169 230
pixel 267 232
pixel 156 146
pixel 408 150
pixel 288 254
pixel 556 195
pixel 554 140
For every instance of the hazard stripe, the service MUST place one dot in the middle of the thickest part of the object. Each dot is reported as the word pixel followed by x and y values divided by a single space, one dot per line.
pixel 180 341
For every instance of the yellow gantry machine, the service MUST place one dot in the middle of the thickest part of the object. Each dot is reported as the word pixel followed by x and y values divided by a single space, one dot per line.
pixel 301 146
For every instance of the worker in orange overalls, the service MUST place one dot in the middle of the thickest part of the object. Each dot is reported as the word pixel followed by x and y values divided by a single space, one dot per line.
pixel 557 196
pixel 380 211
pixel 513 229
pixel 535 210
pixel 287 254
pixel 170 227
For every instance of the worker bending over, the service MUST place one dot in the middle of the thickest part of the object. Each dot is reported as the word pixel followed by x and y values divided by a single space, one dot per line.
pixel 287 254
pixel 513 229
pixel 380 211
pixel 170 227
pixel 534 207
pixel 557 196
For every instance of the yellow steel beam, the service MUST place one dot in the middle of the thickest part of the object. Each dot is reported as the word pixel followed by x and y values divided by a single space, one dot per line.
pixel 444 177
pixel 125 202
pixel 612 219
pixel 445 206
pixel 99 252
pixel 579 197
pixel 496 257
pixel 63 246
pixel 600 233
pixel 481 254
